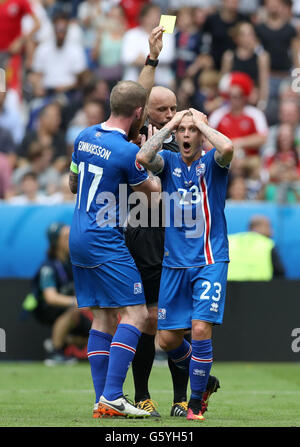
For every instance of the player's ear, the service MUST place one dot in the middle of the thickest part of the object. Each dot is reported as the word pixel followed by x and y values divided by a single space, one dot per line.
pixel 138 112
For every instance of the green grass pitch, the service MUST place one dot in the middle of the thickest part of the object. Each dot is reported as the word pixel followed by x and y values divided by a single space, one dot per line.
pixel 251 395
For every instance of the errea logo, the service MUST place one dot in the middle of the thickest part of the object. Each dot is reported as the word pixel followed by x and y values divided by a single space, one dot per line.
pixel 214 307
pixel 177 172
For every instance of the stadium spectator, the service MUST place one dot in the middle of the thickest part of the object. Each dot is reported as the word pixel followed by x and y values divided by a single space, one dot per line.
pixel 48 132
pixel 10 115
pixel 132 10
pixel 244 247
pixel 255 177
pixel 8 147
pixel 39 160
pixel 244 124
pixel 284 150
pixel 218 25
pixel 43 34
pixel 29 192
pixel 91 16
pixel 284 169
pixel 135 44
pixel 59 62
pixel 5 176
pixel 189 57
pixel 185 92
pixel 207 97
pixel 52 299
pixel 12 40
pixel 92 113
pixel 107 50
pixel 279 38
pixel 237 189
pixel 249 58
pixel 94 90
pixel 63 195
pixel 289 113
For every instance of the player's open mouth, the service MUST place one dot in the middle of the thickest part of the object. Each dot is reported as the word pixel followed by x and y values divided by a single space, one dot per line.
pixel 186 145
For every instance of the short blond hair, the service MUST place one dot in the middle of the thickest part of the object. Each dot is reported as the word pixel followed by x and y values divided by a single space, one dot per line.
pixel 125 97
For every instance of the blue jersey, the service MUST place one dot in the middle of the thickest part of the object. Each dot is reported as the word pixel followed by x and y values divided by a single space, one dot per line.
pixel 194 202
pixel 105 163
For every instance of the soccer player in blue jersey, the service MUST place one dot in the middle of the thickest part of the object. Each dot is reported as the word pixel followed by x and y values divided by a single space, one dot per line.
pixel 106 278
pixel 193 281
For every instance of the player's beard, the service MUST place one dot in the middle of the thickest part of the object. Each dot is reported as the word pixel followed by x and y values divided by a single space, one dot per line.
pixel 135 127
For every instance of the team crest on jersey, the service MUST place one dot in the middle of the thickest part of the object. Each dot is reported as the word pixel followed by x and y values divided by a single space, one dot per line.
pixel 98 134
pixel 200 169
pixel 139 167
pixel 137 288
pixel 162 313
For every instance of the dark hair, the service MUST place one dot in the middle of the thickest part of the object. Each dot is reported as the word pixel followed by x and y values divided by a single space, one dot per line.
pixel 125 97
pixel 146 8
pixel 31 175
pixel 53 233
pixel 60 15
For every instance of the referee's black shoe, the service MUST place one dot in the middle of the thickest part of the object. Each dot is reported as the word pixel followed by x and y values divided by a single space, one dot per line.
pixel 179 409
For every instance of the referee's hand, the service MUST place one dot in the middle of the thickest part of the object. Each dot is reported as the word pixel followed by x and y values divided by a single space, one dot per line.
pixel 155 42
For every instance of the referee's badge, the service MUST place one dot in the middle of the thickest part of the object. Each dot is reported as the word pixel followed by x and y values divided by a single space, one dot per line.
pixel 200 169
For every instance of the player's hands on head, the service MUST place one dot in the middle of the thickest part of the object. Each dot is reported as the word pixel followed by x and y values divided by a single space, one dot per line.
pixel 177 118
pixel 198 116
pixel 155 42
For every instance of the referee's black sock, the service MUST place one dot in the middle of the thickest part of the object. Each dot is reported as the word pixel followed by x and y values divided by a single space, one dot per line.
pixel 142 365
pixel 180 378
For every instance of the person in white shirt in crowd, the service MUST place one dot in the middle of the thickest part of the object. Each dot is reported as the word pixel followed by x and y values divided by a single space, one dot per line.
pixel 30 194
pixel 40 163
pixel 135 45
pixel 11 117
pixel 59 62
pixel 64 194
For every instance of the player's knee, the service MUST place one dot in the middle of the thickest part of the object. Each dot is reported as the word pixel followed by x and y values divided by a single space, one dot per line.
pixel 167 341
pixel 201 330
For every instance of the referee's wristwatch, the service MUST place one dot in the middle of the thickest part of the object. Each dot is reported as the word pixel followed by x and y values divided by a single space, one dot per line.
pixel 152 62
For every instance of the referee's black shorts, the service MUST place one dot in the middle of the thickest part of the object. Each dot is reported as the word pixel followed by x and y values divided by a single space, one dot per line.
pixel 146 246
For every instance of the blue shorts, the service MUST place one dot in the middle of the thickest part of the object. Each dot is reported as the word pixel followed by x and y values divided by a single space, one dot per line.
pixel 113 284
pixel 196 293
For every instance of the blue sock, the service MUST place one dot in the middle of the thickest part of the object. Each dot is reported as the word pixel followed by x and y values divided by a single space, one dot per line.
pixel 181 356
pixel 98 354
pixel 200 366
pixel 122 350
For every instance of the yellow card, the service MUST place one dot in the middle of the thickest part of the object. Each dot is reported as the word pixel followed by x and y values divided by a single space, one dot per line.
pixel 168 22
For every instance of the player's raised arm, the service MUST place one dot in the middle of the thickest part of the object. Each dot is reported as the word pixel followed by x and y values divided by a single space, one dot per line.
pixel 224 146
pixel 147 155
pixel 146 78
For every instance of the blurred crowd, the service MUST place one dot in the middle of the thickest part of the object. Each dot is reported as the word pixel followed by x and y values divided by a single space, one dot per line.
pixel 235 60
